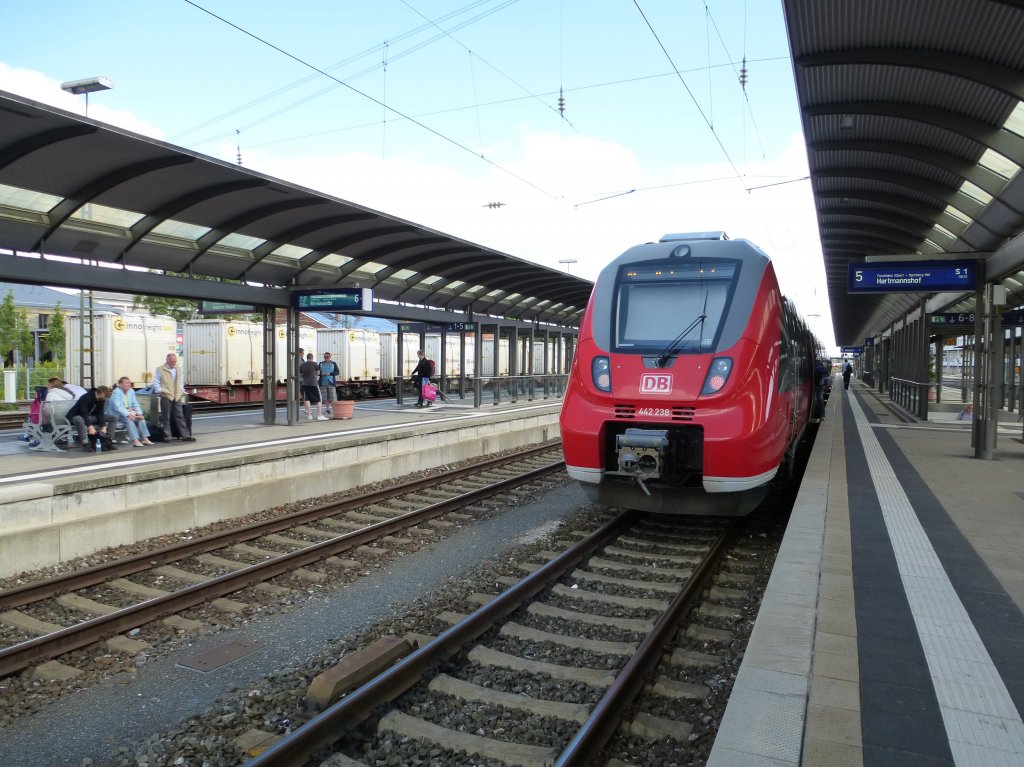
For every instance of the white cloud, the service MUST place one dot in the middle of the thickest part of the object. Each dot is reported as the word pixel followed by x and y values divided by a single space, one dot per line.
pixel 553 188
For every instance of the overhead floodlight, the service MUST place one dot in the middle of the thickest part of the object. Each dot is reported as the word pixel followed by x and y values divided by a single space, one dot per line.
pixel 87 85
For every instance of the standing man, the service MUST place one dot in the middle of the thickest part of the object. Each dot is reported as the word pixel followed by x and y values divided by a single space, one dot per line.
pixel 309 373
pixel 847 372
pixel 329 382
pixel 169 383
pixel 420 376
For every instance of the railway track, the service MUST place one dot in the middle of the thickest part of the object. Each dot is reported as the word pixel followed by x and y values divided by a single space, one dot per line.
pixel 48 618
pixel 589 659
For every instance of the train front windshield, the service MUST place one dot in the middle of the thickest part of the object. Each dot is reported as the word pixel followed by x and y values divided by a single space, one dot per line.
pixel 655 303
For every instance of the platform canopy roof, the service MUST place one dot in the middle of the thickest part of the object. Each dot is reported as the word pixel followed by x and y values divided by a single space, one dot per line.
pixel 74 187
pixel 913 117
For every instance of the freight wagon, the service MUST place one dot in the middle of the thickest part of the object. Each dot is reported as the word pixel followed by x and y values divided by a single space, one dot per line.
pixel 358 354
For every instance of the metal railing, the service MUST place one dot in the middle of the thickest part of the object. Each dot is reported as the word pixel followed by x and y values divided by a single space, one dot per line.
pixel 515 388
pixel 492 389
pixel 912 396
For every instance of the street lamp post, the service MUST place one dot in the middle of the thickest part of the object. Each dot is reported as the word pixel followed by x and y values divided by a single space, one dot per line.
pixel 86 85
pixel 567 262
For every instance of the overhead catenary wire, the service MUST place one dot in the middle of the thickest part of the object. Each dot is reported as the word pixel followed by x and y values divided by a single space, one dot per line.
pixel 512 80
pixel 384 98
pixel 742 74
pixel 689 92
pixel 484 104
pixel 345 62
pixel 401 114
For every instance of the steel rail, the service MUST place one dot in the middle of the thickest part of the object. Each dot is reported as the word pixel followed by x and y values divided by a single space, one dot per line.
pixel 18 657
pixel 80 579
pixel 604 719
pixel 297 748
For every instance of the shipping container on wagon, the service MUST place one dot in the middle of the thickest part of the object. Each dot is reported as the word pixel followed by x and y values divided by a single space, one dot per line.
pixel 411 342
pixel 539 357
pixel 307 342
pixel 487 367
pixel 389 356
pixel 132 345
pixel 221 352
pixel 356 350
pixel 453 364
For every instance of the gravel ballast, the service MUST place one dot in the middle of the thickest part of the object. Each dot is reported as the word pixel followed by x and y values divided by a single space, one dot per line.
pixel 93 723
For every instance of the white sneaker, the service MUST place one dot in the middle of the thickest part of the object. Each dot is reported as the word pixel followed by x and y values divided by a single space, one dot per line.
pixel 322 418
pixel 309 416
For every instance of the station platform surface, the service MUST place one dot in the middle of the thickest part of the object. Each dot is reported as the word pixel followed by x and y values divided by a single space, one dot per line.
pixel 222 433
pixel 891 631
pixel 57 506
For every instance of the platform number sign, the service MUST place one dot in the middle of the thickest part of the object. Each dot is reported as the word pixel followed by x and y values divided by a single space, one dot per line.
pixel 911 276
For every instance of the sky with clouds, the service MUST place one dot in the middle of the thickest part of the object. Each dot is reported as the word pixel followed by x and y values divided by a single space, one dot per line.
pixel 432 110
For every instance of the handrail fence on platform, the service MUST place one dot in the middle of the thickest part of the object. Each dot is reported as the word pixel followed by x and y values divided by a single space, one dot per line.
pixel 494 389
pixel 912 396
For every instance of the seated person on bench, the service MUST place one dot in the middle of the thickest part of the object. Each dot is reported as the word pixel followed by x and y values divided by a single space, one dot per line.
pixel 87 413
pixel 125 405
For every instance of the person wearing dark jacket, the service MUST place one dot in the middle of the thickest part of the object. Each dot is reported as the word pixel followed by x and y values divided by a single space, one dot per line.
pixel 847 372
pixel 87 413
pixel 421 376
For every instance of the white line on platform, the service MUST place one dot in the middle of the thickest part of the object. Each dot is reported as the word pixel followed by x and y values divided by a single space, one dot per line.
pixel 981 721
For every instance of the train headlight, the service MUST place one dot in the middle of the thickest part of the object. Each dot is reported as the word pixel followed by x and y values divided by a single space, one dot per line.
pixel 717 375
pixel 601 371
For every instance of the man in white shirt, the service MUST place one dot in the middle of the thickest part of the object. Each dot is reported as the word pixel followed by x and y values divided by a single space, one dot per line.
pixel 75 389
pixel 169 383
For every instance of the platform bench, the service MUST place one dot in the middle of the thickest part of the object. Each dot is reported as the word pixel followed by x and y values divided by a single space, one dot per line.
pixel 53 426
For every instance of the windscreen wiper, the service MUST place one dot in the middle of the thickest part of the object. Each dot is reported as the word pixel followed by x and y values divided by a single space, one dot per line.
pixel 673 347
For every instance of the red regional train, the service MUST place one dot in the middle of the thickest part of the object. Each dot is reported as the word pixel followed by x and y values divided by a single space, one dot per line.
pixel 693 380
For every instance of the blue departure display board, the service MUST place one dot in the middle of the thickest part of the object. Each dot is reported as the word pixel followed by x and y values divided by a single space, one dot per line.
pixel 911 276
pixel 334 300
pixel 851 349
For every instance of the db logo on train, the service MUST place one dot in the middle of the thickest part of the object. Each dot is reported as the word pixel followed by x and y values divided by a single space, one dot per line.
pixel 651 383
